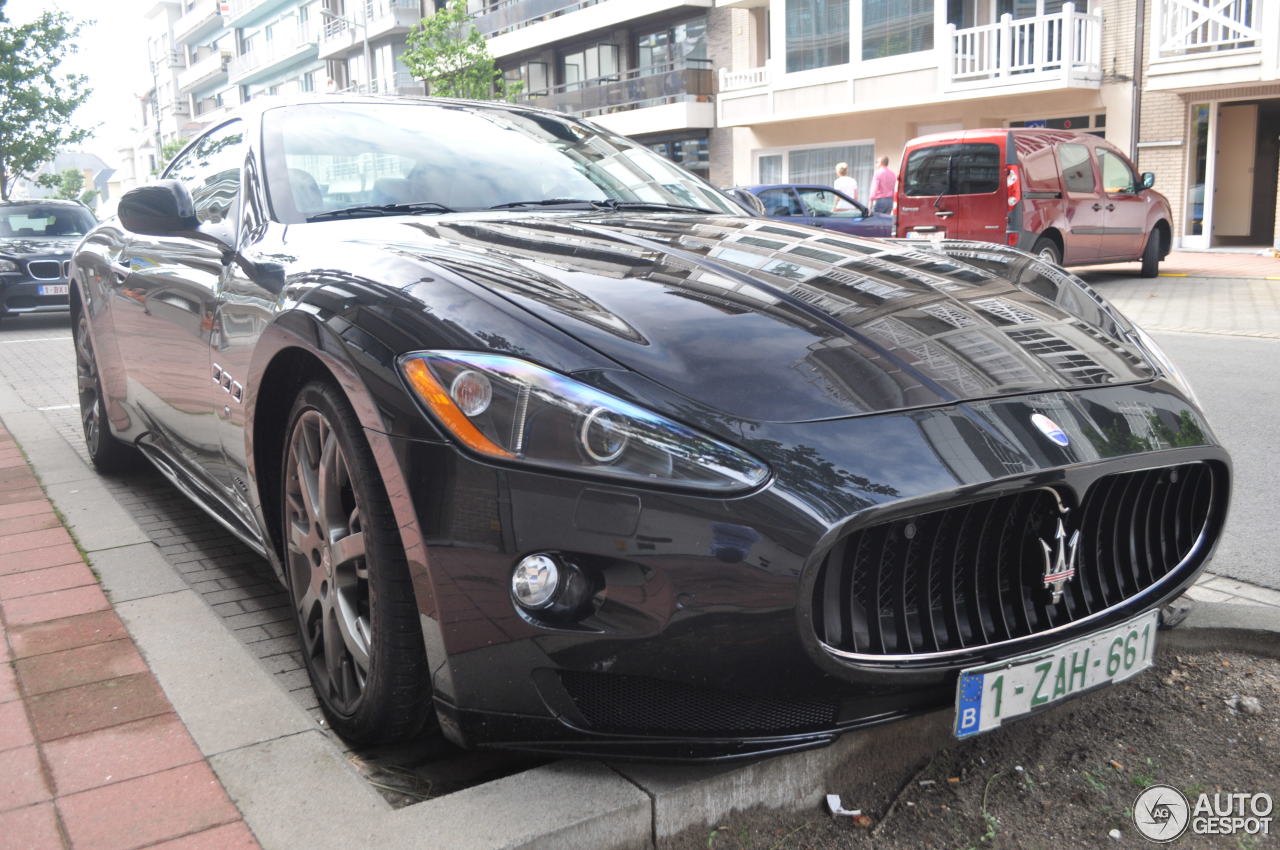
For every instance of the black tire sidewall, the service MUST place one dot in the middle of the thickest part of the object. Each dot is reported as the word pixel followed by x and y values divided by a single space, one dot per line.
pixel 377 715
pixel 1043 243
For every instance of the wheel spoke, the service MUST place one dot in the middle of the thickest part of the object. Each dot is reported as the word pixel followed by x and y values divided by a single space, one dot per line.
pixel 329 488
pixel 86 382
pixel 299 537
pixel 307 483
pixel 334 650
pixel 354 638
pixel 347 549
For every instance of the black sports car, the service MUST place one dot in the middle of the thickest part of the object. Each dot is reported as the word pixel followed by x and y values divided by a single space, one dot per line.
pixel 553 445
pixel 36 240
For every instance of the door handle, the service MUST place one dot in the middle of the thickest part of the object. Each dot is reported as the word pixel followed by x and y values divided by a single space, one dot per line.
pixel 945 213
pixel 1097 207
pixel 1111 207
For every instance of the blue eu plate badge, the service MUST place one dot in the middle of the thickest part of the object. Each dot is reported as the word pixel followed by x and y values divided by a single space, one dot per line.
pixel 969 705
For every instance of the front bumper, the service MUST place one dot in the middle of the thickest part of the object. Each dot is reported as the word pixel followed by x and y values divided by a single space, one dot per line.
pixel 22 293
pixel 700 645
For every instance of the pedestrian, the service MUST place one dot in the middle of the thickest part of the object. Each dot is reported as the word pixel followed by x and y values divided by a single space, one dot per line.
pixel 845 185
pixel 883 183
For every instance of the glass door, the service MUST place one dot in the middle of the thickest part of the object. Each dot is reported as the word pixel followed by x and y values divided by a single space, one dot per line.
pixel 1198 215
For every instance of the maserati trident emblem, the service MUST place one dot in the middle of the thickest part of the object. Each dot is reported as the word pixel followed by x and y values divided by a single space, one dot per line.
pixel 1059 561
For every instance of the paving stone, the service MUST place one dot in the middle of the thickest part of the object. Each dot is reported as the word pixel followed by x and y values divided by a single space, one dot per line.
pixel 142 811
pixel 17 509
pixel 15 731
pixel 232 836
pixel 96 706
pixel 24 779
pixel 80 762
pixel 8 680
pixel 12 544
pixel 54 606
pixel 31 582
pixel 30 522
pixel 38 559
pixel 66 633
pixel 81 666
pixel 30 828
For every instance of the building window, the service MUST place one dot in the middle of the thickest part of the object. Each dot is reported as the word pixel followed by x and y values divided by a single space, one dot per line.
pixel 592 63
pixel 693 153
pixel 817 166
pixel 893 27
pixel 817 34
pixel 307 82
pixel 673 45
pixel 769 167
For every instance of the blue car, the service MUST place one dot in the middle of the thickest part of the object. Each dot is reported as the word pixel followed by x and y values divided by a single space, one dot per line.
pixel 820 206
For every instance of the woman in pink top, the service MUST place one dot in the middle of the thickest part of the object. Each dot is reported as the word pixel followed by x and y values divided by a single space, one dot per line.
pixel 883 183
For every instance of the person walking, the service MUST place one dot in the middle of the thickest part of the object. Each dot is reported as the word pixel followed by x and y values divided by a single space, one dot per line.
pixel 845 185
pixel 883 184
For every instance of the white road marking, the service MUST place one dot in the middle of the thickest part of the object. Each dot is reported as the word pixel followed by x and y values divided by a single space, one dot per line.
pixel 36 339
pixel 59 407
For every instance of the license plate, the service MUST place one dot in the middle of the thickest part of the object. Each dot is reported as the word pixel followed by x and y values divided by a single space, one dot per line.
pixel 54 289
pixel 987 696
pixel 934 236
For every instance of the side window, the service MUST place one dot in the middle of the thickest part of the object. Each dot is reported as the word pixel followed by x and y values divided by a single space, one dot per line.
pixel 211 171
pixel 1117 177
pixel 825 202
pixel 780 202
pixel 1077 169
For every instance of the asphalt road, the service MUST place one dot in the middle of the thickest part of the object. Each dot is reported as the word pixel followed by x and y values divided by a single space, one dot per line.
pixel 1238 382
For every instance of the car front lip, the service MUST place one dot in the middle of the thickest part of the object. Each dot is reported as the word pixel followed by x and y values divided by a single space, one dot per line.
pixel 20 284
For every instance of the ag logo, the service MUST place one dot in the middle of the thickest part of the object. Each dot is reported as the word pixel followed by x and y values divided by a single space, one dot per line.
pixel 1161 813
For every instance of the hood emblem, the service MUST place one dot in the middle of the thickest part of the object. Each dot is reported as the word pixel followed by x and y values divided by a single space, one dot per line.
pixel 1059 561
pixel 1050 429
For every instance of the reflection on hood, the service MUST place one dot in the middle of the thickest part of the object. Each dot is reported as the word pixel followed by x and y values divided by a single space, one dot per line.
pixel 42 246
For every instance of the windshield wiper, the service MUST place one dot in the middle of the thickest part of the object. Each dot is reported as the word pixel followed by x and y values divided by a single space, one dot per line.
pixel 612 204
pixel 382 209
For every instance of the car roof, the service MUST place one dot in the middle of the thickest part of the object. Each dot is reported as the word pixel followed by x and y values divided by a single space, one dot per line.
pixel 62 202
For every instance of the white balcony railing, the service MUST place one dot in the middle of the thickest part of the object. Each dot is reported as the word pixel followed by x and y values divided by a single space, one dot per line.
pixel 210 65
pixel 1066 46
pixel 748 79
pixel 380 17
pixel 202 18
pixel 400 83
pixel 1183 27
pixel 281 48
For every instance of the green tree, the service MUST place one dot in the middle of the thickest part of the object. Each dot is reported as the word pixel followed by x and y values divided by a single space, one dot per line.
pixel 36 101
pixel 66 184
pixel 168 151
pixel 450 55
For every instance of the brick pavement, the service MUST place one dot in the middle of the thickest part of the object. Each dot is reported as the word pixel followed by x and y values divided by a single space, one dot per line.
pixel 1238 264
pixel 92 754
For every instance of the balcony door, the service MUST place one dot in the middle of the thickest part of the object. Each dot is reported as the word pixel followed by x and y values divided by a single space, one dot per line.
pixel 1233 158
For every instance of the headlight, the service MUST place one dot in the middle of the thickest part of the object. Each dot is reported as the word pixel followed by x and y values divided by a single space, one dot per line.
pixel 8 266
pixel 512 410
pixel 1165 366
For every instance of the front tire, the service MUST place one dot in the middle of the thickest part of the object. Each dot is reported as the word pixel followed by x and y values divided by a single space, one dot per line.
pixel 108 454
pixel 348 579
pixel 1151 255
pixel 1047 250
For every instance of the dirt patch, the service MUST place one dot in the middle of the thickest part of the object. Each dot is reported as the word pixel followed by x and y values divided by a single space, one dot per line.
pixel 1064 778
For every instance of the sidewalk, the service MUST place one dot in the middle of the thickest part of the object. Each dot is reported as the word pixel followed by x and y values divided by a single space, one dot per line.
pixel 1201 264
pixel 92 754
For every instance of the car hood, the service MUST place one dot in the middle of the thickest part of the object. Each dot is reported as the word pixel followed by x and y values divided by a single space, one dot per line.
pixel 772 322
pixel 37 247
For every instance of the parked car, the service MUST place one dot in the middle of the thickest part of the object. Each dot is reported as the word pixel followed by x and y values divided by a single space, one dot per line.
pixel 820 206
pixel 1070 198
pixel 36 238
pixel 555 447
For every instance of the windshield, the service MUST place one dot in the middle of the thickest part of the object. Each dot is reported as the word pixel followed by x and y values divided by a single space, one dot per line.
pixel 51 221
pixel 326 157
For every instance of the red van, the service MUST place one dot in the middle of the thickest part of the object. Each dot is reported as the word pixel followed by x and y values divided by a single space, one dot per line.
pixel 1068 197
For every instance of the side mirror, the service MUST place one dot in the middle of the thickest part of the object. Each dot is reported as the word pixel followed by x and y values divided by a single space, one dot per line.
pixel 1148 180
pixel 748 201
pixel 161 209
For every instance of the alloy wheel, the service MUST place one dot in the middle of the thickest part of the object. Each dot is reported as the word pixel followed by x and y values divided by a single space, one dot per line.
pixel 326 564
pixel 87 385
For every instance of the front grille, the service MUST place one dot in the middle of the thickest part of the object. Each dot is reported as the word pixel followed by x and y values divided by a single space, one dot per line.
pixel 637 705
pixel 973 575
pixel 45 269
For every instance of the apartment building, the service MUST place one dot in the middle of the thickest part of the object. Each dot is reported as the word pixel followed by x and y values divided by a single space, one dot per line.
pixel 643 68
pixel 1210 118
pixel 825 81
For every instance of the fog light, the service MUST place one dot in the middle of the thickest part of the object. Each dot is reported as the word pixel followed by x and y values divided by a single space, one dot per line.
pixel 535 581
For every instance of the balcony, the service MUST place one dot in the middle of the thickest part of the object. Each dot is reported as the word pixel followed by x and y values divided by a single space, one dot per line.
pixel 202 21
pixel 738 80
pixel 646 100
pixel 210 67
pixel 401 83
pixel 1197 44
pixel 246 13
pixel 384 17
pixel 276 54
pixel 1063 48
pixel 514 26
